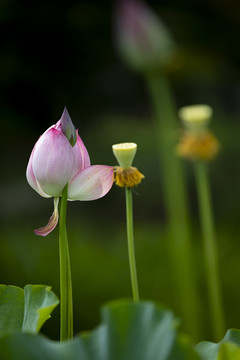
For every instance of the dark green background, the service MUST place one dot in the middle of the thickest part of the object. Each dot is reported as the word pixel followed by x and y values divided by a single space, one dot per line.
pixel 54 54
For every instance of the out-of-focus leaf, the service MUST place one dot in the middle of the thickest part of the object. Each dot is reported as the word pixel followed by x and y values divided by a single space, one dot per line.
pixel 25 310
pixel 207 350
pixel 22 346
pixel 183 349
pixel 233 336
pixel 128 331
pixel 11 309
pixel 133 331
pixel 226 349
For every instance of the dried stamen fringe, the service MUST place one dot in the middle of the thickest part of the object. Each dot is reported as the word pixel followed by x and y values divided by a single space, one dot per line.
pixel 198 146
pixel 127 177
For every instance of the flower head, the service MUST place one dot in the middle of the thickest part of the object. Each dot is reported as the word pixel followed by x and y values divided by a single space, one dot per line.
pixel 197 142
pixel 59 158
pixel 126 175
pixel 141 38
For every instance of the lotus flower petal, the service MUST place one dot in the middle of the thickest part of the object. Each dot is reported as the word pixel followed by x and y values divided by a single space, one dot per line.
pixel 52 223
pixel 31 178
pixel 81 156
pixel 91 183
pixel 52 162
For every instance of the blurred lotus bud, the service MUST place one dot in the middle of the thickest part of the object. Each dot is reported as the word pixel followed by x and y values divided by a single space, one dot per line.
pixel 68 128
pixel 141 38
pixel 125 153
pixel 196 118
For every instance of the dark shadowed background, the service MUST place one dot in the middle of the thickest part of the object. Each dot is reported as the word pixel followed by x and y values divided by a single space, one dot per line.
pixel 54 54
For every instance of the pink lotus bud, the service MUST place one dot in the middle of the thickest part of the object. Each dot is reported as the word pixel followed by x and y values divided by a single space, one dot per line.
pixel 141 38
pixel 54 163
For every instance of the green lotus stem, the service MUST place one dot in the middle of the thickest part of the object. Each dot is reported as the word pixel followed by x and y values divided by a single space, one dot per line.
pixel 66 304
pixel 174 190
pixel 131 251
pixel 210 249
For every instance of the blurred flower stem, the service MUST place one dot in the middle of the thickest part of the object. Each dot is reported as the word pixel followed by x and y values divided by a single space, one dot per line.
pixel 199 145
pixel 175 201
pixel 131 251
pixel 210 248
pixel 66 304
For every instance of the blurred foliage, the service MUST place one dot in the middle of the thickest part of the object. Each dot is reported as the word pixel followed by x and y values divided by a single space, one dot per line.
pixel 54 54
pixel 127 331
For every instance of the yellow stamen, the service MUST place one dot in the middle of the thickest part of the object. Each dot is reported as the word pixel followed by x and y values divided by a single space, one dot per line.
pixel 127 177
pixel 203 146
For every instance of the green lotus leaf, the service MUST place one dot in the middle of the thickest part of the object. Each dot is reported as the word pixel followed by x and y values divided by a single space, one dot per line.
pixel 233 336
pixel 128 332
pixel 25 309
pixel 11 309
pixel 224 350
pixel 228 351
pixel 22 346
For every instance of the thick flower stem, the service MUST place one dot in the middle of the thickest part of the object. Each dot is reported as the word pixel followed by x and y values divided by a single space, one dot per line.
pixel 131 252
pixel 66 305
pixel 174 190
pixel 210 249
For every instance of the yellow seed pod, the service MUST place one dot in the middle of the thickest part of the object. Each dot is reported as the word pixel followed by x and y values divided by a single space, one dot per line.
pixel 196 118
pixel 125 153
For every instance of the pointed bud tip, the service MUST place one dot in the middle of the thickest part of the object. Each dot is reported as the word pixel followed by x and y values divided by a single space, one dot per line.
pixel 68 128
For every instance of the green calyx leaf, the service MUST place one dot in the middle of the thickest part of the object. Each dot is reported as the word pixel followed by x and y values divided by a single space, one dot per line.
pixel 25 310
